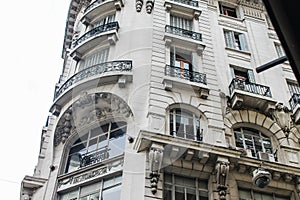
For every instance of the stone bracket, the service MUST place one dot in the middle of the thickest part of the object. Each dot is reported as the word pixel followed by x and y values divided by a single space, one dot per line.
pixel 222 171
pixel 155 160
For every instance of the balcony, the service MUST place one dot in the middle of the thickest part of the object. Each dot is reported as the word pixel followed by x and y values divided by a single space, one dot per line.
pixel 95 36
pixel 100 74
pixel 183 77
pixel 189 7
pixel 250 95
pixel 184 37
pixel 295 106
pixel 100 6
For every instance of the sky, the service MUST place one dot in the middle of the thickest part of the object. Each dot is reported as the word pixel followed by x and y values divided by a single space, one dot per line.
pixel 32 33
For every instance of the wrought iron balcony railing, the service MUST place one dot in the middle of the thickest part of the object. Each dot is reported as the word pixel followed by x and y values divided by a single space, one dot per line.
pixel 94 157
pixel 183 32
pixel 188 2
pixel 249 87
pixel 114 66
pixel 96 31
pixel 93 4
pixel 185 74
pixel 294 101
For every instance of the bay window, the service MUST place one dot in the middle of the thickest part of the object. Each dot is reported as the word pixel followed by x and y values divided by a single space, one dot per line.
pixel 101 143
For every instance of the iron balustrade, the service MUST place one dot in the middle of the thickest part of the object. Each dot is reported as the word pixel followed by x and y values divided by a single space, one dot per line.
pixel 249 87
pixel 189 135
pixel 188 2
pixel 295 99
pixel 94 157
pixel 183 32
pixel 114 66
pixel 185 74
pixel 93 5
pixel 96 31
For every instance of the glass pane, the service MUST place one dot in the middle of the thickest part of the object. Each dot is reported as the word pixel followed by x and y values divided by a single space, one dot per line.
pixel 102 141
pixel 179 193
pixel 113 193
pixel 92 145
pixel 90 189
pixel 81 139
pixel 203 195
pixel 116 125
pixel 99 130
pixel 94 196
pixel 244 194
pixel 78 148
pixel 191 194
pixel 202 184
pixel 117 142
pixel 74 162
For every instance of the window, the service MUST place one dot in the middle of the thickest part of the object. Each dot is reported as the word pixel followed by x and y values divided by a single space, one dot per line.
pixel 106 141
pixel 243 74
pixel 180 22
pixel 293 87
pixel 235 40
pixel 279 50
pixel 182 62
pixel 183 188
pixel 254 140
pixel 185 124
pixel 107 189
pixel 94 59
pixel 105 20
pixel 228 10
pixel 247 194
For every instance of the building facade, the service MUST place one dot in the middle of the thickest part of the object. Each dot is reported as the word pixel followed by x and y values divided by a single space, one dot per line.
pixel 159 99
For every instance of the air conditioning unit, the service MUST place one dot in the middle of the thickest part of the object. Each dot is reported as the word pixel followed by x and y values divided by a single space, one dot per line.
pixel 266 156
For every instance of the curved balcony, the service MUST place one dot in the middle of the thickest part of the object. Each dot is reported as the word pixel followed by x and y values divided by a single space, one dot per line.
pixel 184 37
pixel 92 77
pixel 250 95
pixel 101 6
pixel 295 106
pixel 183 77
pixel 95 36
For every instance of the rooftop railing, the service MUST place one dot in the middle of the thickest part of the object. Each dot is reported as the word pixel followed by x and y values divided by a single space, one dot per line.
pixel 114 66
pixel 185 74
pixel 96 31
pixel 183 32
pixel 249 87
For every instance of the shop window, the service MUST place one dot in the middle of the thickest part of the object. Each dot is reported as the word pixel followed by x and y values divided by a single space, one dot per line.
pixel 183 188
pixel 101 143
pixel 228 10
pixel 247 194
pixel 107 189
pixel 258 144
pixel 185 124
pixel 235 40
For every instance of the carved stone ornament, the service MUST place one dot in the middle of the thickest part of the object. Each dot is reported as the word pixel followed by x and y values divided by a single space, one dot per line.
pixel 222 170
pixel 149 6
pixel 139 5
pixel 90 108
pixel 155 161
pixel 282 116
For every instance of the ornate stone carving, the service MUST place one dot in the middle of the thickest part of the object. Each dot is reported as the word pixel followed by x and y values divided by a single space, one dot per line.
pixel 149 6
pixel 90 108
pixel 282 116
pixel 155 160
pixel 222 170
pixel 139 5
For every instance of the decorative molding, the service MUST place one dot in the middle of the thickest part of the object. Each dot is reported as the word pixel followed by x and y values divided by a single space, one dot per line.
pixel 255 4
pixel 222 170
pixel 139 5
pixel 232 25
pixel 282 115
pixel 155 161
pixel 273 36
pixel 149 6
pixel 89 108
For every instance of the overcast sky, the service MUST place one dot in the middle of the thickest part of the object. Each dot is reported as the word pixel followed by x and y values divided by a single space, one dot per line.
pixel 31 35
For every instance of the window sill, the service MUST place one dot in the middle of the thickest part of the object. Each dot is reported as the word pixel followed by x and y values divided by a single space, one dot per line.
pixel 239 51
pixel 231 18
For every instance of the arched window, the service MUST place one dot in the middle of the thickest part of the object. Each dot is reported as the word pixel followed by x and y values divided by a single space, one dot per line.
pixel 185 124
pixel 254 141
pixel 98 144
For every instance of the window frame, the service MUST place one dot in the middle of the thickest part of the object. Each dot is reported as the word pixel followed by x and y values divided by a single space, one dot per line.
pixel 235 40
pixel 196 186
pixel 253 192
pixel 188 116
pixel 262 138
pixel 223 8
pixel 86 145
